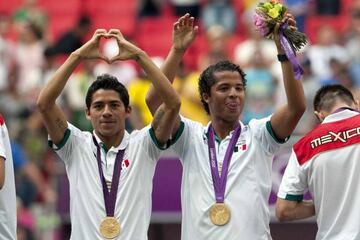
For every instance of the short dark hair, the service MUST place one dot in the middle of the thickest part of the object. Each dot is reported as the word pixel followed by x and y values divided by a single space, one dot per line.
pixel 107 82
pixel 207 79
pixel 327 96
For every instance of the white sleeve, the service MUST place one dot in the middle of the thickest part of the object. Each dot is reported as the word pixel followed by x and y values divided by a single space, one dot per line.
pixel 263 133
pixel 190 132
pixel 294 181
pixel 145 140
pixel 72 140
pixel 2 144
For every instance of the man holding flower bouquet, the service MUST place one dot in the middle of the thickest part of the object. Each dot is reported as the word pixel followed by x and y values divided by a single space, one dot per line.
pixel 226 179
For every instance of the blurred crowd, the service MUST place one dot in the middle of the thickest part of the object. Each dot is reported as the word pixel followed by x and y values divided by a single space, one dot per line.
pixel 29 55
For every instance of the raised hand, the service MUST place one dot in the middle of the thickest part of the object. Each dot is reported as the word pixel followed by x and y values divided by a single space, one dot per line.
pixel 289 19
pixel 184 32
pixel 91 49
pixel 127 50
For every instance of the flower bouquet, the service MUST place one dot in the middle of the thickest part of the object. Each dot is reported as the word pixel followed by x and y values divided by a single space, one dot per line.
pixel 267 14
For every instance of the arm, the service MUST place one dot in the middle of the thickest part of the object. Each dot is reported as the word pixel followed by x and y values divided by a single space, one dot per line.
pixel 290 204
pixel 184 33
pixel 291 210
pixel 163 122
pixel 284 120
pixel 54 119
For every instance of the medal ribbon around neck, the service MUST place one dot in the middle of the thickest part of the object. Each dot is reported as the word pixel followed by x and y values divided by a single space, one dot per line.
pixel 109 197
pixel 219 182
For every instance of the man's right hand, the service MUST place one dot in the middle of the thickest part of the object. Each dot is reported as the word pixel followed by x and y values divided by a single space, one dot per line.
pixel 91 49
pixel 184 32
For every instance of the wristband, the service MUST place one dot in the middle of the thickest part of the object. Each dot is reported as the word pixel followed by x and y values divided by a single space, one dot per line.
pixel 282 58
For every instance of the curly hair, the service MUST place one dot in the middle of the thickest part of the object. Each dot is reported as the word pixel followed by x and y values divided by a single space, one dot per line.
pixel 207 79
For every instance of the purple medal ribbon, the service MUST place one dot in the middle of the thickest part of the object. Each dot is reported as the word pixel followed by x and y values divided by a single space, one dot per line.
pixel 290 53
pixel 219 182
pixel 109 197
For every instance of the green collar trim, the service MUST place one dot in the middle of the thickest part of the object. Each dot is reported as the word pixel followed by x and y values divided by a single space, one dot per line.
pixel 296 198
pixel 62 142
pixel 272 133
pixel 170 141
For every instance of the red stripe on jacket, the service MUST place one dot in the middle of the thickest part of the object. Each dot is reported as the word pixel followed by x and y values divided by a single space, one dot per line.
pixel 2 120
pixel 328 136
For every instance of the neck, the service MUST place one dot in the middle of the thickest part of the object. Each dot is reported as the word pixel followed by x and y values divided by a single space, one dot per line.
pixel 340 106
pixel 223 128
pixel 111 141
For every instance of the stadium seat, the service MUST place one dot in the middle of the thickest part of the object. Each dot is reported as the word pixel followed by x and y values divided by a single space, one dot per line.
pixel 313 23
pixel 67 7
pixel 111 14
pixel 154 35
pixel 9 6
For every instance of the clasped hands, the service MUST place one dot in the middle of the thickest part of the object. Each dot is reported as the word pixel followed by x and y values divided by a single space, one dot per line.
pixel 91 49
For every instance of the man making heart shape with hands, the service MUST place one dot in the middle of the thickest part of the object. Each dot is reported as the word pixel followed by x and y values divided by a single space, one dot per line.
pixel 108 201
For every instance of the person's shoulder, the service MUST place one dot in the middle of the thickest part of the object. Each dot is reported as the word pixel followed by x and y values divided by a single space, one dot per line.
pixel 78 133
pixel 191 123
pixel 258 122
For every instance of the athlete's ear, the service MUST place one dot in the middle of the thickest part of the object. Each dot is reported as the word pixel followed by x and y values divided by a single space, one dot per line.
pixel 128 110
pixel 357 104
pixel 319 115
pixel 206 97
pixel 87 114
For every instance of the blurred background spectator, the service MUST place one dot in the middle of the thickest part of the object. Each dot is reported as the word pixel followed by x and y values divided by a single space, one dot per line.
pixel 327 7
pixel 182 7
pixel 30 11
pixel 219 12
pixel 353 43
pixel 73 39
pixel 217 47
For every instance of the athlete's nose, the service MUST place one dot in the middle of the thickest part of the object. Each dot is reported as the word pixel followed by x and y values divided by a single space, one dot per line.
pixel 107 110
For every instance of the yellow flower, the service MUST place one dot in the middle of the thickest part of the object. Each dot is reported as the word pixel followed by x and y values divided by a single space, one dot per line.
pixel 274 13
pixel 278 7
pixel 268 5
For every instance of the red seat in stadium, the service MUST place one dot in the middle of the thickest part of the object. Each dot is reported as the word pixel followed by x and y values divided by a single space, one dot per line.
pixel 154 35
pixel 9 6
pixel 313 23
pixel 112 14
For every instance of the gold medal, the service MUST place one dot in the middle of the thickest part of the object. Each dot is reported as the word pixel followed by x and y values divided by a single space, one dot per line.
pixel 109 228
pixel 219 214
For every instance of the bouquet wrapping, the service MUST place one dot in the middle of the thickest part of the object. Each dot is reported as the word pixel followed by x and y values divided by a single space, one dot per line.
pixel 266 16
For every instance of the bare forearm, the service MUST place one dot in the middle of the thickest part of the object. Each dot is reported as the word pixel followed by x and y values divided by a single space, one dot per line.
pixel 286 211
pixel 172 63
pixel 293 89
pixel 169 68
pixel 53 117
pixel 285 119
pixel 55 86
pixel 165 123
pixel 161 84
